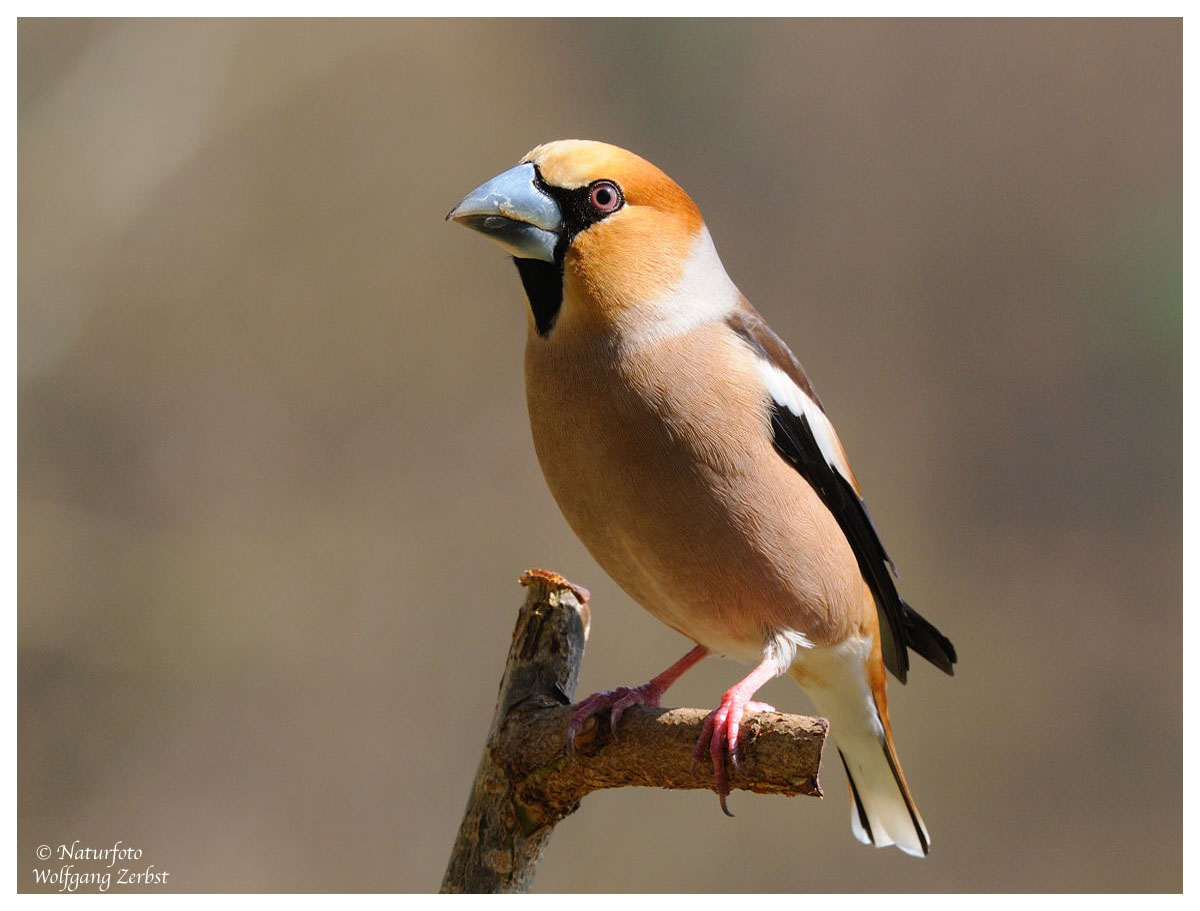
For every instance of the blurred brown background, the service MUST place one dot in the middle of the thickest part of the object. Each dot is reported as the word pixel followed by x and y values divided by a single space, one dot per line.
pixel 276 482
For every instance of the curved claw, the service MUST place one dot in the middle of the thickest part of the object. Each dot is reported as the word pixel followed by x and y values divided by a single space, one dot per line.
pixel 618 709
pixel 615 702
pixel 721 735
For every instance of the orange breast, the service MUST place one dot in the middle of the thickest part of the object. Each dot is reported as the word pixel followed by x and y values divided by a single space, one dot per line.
pixel 661 460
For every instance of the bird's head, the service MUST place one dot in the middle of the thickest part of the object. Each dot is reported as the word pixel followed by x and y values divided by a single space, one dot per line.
pixel 602 238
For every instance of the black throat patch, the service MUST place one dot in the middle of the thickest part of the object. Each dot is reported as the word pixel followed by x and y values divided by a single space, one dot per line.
pixel 544 287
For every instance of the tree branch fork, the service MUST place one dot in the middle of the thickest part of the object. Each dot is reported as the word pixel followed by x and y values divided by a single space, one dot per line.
pixel 528 781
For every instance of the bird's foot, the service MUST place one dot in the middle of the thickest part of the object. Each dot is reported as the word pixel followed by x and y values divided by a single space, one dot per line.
pixel 720 735
pixel 615 702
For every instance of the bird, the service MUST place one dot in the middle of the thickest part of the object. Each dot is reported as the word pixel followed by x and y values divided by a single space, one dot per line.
pixel 689 452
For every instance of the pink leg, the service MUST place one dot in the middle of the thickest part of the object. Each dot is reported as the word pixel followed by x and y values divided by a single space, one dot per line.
pixel 722 725
pixel 618 700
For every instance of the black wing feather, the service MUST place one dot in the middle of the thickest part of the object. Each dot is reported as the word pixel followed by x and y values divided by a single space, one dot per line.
pixel 902 627
pixel 925 639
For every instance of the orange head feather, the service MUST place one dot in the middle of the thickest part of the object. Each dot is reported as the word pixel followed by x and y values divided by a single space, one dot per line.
pixel 637 254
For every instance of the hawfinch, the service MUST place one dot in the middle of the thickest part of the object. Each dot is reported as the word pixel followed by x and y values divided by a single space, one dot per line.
pixel 689 452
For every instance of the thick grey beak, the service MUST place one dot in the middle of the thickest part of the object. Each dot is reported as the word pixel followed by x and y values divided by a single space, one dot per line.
pixel 512 211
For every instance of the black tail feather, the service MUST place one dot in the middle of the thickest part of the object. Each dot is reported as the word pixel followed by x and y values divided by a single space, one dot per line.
pixel 924 639
pixel 858 804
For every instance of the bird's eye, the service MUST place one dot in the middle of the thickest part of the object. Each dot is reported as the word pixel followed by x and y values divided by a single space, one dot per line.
pixel 605 196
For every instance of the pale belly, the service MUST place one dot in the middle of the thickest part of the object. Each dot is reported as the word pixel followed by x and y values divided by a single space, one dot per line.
pixel 698 519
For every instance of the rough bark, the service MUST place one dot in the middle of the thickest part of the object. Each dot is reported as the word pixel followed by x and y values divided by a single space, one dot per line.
pixel 526 781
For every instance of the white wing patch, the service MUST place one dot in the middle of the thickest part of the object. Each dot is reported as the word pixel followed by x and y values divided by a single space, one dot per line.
pixel 790 396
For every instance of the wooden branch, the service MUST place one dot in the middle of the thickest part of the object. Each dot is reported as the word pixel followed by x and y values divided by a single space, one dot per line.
pixel 527 782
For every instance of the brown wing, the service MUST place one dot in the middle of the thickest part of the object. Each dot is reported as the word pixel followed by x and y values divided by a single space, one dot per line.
pixel 805 438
